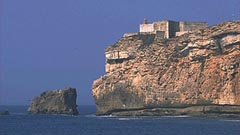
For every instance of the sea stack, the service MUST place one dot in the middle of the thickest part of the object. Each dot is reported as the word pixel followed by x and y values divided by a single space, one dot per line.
pixel 55 102
pixel 172 68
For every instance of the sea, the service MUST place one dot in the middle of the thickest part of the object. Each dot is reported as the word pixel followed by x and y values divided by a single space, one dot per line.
pixel 19 122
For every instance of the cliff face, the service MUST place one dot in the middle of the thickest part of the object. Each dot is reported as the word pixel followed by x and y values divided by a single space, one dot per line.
pixel 55 102
pixel 198 72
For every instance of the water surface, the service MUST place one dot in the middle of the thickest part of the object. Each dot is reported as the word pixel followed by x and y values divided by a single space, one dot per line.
pixel 22 123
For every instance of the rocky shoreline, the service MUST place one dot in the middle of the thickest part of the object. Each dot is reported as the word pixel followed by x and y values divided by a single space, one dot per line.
pixel 194 111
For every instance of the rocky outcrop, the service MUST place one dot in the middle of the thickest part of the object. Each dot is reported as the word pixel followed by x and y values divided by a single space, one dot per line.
pixel 195 73
pixel 55 102
pixel 5 113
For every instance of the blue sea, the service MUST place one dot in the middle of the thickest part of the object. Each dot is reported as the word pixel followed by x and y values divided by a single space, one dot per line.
pixel 19 122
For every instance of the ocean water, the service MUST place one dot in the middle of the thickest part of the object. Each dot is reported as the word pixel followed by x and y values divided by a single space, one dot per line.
pixel 21 123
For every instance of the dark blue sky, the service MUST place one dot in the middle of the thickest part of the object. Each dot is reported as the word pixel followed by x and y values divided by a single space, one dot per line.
pixel 50 44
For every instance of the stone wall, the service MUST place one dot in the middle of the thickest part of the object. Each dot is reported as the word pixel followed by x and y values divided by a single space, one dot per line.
pixel 154 27
pixel 160 34
pixel 173 27
pixel 147 28
pixel 161 26
pixel 189 26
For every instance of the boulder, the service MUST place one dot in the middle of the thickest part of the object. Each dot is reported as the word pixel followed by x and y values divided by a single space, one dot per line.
pixel 55 102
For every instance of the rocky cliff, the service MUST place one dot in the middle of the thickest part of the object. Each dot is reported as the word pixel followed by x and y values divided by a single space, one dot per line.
pixel 197 73
pixel 55 102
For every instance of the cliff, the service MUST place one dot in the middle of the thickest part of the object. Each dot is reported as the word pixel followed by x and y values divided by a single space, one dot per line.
pixel 196 74
pixel 55 102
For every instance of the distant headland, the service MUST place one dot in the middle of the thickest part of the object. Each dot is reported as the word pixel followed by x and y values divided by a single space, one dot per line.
pixel 172 68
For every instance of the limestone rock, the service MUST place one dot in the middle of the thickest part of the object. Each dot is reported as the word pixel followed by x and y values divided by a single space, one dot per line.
pixel 149 75
pixel 55 102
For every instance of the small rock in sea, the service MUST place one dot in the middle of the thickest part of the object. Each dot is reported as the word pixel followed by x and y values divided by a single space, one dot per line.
pixel 55 102
pixel 5 112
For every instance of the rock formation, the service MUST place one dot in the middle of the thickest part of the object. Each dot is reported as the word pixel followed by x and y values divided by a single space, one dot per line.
pixel 55 102
pixel 197 73
pixel 6 112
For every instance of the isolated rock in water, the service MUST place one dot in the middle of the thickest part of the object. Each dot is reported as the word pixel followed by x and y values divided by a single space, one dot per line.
pixel 197 73
pixel 55 102
pixel 5 112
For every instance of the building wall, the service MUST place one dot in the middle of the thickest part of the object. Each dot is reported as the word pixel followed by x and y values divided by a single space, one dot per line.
pixel 173 27
pixel 161 26
pixel 160 34
pixel 146 28
pixel 189 26
pixel 170 28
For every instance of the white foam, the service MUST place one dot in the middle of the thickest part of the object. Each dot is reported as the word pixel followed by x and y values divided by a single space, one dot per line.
pixel 130 118
pixel 123 118
pixel 106 116
pixel 231 120
pixel 177 116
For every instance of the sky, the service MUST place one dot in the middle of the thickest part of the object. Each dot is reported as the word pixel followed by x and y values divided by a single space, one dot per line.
pixel 52 44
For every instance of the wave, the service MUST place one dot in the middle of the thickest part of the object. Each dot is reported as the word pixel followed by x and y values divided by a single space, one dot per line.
pixel 129 118
pixel 124 119
pixel 102 116
pixel 230 120
pixel 177 116
pixel 107 116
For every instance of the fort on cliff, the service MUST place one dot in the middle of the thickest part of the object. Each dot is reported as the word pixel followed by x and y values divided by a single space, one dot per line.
pixel 150 31
pixel 168 28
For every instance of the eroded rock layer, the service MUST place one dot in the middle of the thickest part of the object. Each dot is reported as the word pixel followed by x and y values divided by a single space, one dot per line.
pixel 55 102
pixel 197 71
